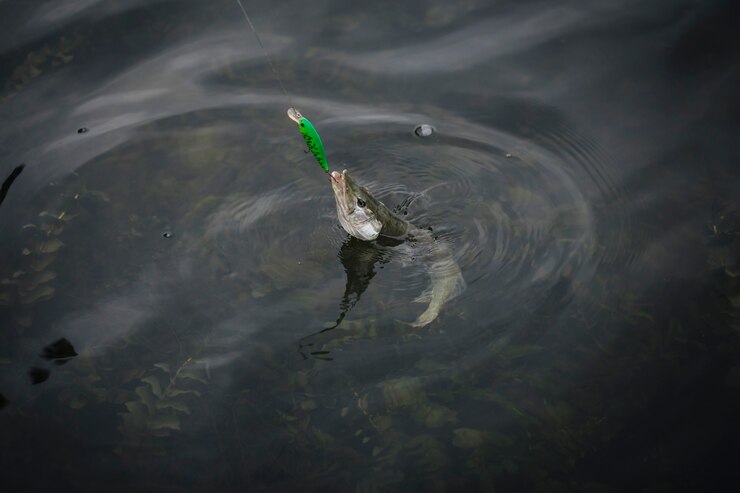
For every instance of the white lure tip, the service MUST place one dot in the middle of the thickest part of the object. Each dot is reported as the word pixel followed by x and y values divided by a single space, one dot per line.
pixel 295 115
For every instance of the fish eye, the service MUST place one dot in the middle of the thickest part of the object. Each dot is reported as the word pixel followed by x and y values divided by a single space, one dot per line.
pixel 360 202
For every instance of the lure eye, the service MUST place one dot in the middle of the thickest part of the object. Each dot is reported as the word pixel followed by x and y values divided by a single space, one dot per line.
pixel 360 202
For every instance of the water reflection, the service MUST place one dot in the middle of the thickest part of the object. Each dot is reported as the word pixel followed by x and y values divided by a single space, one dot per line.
pixel 9 181
pixel 359 259
pixel 473 44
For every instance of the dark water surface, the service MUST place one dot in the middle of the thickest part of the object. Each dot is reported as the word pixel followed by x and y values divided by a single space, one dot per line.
pixel 170 254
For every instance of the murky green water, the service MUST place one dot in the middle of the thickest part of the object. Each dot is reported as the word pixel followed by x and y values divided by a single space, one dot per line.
pixel 171 258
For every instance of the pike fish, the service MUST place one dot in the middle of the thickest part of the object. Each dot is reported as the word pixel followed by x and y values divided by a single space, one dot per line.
pixel 366 218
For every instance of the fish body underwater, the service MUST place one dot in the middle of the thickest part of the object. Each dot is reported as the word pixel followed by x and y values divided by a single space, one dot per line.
pixel 366 218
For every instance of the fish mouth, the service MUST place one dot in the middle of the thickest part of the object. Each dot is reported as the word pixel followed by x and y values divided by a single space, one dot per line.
pixel 337 177
pixel 340 187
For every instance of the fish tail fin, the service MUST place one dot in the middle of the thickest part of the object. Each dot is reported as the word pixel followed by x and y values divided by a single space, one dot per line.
pixel 427 317
pixel 425 296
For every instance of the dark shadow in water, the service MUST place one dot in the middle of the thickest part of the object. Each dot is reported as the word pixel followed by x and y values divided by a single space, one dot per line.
pixel 358 259
pixel 38 375
pixel 60 351
pixel 9 181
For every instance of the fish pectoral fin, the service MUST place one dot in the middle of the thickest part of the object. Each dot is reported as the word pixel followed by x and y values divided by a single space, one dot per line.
pixel 425 296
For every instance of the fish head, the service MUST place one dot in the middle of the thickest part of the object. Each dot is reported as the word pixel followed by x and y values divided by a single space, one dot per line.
pixel 357 210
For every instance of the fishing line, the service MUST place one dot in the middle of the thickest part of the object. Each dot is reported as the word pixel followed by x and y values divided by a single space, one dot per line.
pixel 273 66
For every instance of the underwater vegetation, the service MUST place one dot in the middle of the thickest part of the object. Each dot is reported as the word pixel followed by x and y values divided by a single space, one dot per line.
pixel 159 402
pixel 32 279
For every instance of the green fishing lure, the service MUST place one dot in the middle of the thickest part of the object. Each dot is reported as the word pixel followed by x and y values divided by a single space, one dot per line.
pixel 311 136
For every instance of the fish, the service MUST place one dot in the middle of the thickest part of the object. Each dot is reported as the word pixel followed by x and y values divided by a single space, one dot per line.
pixel 364 217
